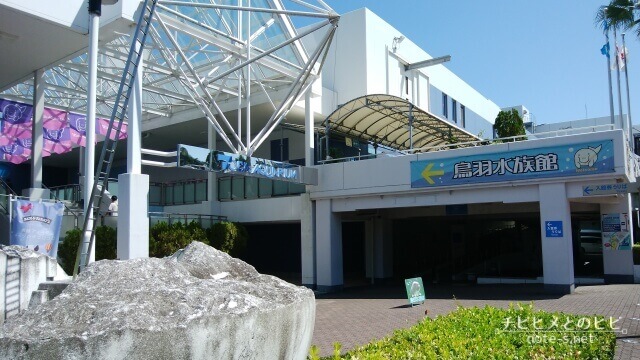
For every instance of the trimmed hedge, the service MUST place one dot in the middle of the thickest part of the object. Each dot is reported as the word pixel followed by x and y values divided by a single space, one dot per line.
pixel 164 240
pixel 636 254
pixel 492 333
pixel 228 237
pixel 106 240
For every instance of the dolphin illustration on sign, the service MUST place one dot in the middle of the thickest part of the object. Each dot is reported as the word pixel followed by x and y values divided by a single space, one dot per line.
pixel 586 157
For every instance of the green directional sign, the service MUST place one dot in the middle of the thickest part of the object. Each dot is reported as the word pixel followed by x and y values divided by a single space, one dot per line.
pixel 415 290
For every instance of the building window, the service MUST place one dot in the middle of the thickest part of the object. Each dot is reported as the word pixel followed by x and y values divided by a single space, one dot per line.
pixel 463 120
pixel 454 111
pixel 406 85
pixel 445 104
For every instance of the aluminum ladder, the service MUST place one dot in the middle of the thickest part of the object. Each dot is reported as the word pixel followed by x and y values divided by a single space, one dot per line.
pixel 111 141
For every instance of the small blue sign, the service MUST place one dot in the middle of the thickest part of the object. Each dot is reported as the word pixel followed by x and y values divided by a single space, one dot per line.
pixel 553 228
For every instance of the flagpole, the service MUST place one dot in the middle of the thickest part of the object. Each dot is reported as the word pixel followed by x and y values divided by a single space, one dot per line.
pixel 609 73
pixel 615 40
pixel 626 76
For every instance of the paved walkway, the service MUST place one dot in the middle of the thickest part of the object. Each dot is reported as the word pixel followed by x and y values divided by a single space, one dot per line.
pixel 357 316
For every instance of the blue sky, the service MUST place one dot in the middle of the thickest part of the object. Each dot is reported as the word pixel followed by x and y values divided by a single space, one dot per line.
pixel 542 54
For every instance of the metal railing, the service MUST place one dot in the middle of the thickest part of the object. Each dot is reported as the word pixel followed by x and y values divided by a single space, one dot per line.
pixel 205 221
pixel 483 142
pixel 70 192
pixel 66 208
pixel 5 192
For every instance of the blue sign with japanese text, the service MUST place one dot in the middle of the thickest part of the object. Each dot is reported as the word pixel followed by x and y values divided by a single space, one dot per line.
pixel 554 161
pixel 553 228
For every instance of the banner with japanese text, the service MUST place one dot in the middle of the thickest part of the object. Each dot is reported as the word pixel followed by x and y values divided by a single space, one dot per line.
pixel 36 225
pixel 545 162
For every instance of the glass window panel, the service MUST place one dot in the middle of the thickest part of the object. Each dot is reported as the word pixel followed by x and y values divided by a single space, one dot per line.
pixel 155 194
pixel 280 188
pixel 168 195
pixel 178 194
pixel 113 188
pixel 251 187
pixel 265 188
pixel 237 188
pixel 296 188
pixel 201 191
pixel 190 193
pixel 224 188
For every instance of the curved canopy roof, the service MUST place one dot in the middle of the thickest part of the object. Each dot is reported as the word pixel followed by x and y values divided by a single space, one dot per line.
pixel 384 119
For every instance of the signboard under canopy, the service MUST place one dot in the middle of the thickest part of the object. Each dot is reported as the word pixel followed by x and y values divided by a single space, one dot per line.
pixel 193 157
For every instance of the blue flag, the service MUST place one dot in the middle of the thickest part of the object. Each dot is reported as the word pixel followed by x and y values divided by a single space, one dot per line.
pixel 605 50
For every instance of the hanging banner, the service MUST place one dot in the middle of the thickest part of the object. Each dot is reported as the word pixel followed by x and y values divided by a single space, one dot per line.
pixel 545 162
pixel 61 131
pixel 615 232
pixel 55 130
pixel 36 225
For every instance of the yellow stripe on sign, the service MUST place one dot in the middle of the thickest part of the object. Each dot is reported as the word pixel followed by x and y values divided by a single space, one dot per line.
pixel 427 173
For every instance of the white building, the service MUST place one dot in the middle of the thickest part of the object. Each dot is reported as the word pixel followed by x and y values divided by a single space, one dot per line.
pixel 439 204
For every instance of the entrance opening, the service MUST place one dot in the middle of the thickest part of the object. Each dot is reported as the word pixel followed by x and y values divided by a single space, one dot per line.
pixel 587 245
pixel 275 249
pixel 463 248
pixel 353 253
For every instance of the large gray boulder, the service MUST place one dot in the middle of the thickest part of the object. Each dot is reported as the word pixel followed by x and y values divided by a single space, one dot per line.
pixel 199 303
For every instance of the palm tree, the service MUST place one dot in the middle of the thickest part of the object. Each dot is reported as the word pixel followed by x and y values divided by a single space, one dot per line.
pixel 618 15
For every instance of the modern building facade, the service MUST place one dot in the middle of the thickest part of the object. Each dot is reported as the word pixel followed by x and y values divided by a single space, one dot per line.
pixel 408 184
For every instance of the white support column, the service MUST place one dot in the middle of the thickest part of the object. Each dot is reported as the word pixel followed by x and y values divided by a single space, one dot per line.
pixel 36 191
pixel 557 251
pixel 618 264
pixel 133 212
pixel 309 145
pixel 308 239
pixel 212 179
pixel 328 248
pixel 90 147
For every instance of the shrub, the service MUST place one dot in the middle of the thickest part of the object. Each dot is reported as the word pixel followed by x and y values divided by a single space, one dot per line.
pixel 105 245
pixel 228 237
pixel 509 123
pixel 165 239
pixel 489 333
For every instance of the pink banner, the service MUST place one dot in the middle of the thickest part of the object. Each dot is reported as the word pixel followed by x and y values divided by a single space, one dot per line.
pixel 61 131
pixel 102 125
pixel 17 152
pixel 78 129
pixel 55 130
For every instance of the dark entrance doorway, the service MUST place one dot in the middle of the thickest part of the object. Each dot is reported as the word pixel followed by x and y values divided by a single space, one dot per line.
pixel 462 248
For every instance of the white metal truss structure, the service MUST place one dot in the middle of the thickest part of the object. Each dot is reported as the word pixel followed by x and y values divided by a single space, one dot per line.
pixel 201 53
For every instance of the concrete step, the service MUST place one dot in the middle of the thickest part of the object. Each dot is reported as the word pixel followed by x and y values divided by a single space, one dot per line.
pixel 54 287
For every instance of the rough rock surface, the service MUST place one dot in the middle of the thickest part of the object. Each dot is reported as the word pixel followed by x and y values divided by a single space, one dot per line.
pixel 199 303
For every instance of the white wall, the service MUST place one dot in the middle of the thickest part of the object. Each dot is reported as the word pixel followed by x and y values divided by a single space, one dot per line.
pixel 361 62
pixel 73 13
pixel 391 176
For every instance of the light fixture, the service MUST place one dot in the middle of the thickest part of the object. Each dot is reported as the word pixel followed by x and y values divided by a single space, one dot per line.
pixel 396 40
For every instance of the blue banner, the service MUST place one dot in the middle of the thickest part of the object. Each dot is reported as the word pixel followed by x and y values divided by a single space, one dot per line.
pixel 554 161
pixel 36 225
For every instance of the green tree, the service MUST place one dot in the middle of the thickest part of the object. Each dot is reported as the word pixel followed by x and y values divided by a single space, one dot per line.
pixel 509 123
pixel 618 15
